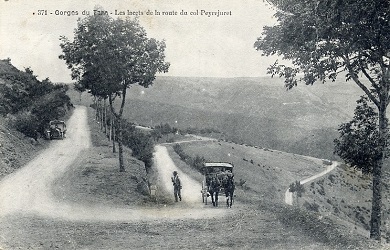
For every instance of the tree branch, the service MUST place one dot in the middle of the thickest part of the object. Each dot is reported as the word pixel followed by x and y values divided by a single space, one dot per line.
pixel 123 98
pixel 374 84
pixel 111 99
pixel 359 83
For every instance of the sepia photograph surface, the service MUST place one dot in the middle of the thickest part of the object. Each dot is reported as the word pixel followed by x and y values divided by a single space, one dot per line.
pixel 210 124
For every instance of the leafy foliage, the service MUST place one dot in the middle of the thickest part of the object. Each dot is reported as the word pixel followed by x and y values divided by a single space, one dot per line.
pixel 109 55
pixel 195 130
pixel 323 38
pixel 326 37
pixel 31 103
pixel 163 129
pixel 141 144
pixel 196 162
pixel 359 138
pixel 297 188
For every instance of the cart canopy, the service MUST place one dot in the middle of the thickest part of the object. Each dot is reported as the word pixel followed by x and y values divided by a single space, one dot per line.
pixel 217 167
pixel 57 124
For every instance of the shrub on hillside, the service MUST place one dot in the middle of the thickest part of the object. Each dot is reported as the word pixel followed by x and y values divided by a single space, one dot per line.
pixel 297 188
pixel 52 105
pixel 196 162
pixel 26 123
pixel 242 183
pixel 31 103
pixel 163 129
pixel 311 206
pixel 141 144
pixel 192 130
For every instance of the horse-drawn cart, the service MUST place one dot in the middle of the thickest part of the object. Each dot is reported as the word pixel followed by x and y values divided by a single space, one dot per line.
pixel 217 178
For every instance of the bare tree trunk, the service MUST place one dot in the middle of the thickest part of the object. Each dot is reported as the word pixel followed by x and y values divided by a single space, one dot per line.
pixel 110 131
pixel 113 135
pixel 114 124
pixel 120 147
pixel 120 135
pixel 96 108
pixel 118 119
pixel 376 211
pixel 101 114
pixel 105 116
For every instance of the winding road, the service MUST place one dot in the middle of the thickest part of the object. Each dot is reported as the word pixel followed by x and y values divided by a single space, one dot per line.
pixel 289 195
pixel 28 190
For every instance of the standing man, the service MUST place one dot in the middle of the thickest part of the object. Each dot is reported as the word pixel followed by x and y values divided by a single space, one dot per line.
pixel 176 186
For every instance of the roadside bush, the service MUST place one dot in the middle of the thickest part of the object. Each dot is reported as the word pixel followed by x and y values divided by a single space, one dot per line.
pixel 297 187
pixel 31 103
pixel 170 140
pixel 178 149
pixel 242 183
pixel 163 129
pixel 196 162
pixel 142 187
pixel 192 130
pixel 141 144
pixel 311 206
pixel 331 177
pixel 321 190
pixel 26 123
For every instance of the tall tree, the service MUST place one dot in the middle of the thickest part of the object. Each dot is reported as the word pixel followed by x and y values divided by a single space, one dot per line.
pixel 323 38
pixel 109 55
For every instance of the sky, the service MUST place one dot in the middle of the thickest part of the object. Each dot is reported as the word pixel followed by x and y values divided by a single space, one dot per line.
pixel 197 45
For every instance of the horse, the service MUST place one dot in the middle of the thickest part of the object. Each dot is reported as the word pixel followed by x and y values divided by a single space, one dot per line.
pixel 229 190
pixel 213 189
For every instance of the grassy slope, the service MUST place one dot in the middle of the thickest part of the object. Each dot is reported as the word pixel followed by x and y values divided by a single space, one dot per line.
pixel 15 148
pixel 257 111
pixel 343 196
pixel 271 172
pixel 267 179
pixel 259 221
pixel 346 193
pixel 269 175
pixel 251 110
pixel 266 223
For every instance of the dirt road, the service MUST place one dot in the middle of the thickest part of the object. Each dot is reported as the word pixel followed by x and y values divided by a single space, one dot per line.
pixel 33 218
pixel 289 195
pixel 28 191
pixel 191 189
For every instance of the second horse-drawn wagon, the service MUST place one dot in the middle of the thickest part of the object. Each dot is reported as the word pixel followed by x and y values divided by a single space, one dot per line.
pixel 218 179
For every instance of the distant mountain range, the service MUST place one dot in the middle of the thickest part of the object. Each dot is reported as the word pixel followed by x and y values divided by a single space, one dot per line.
pixel 256 111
